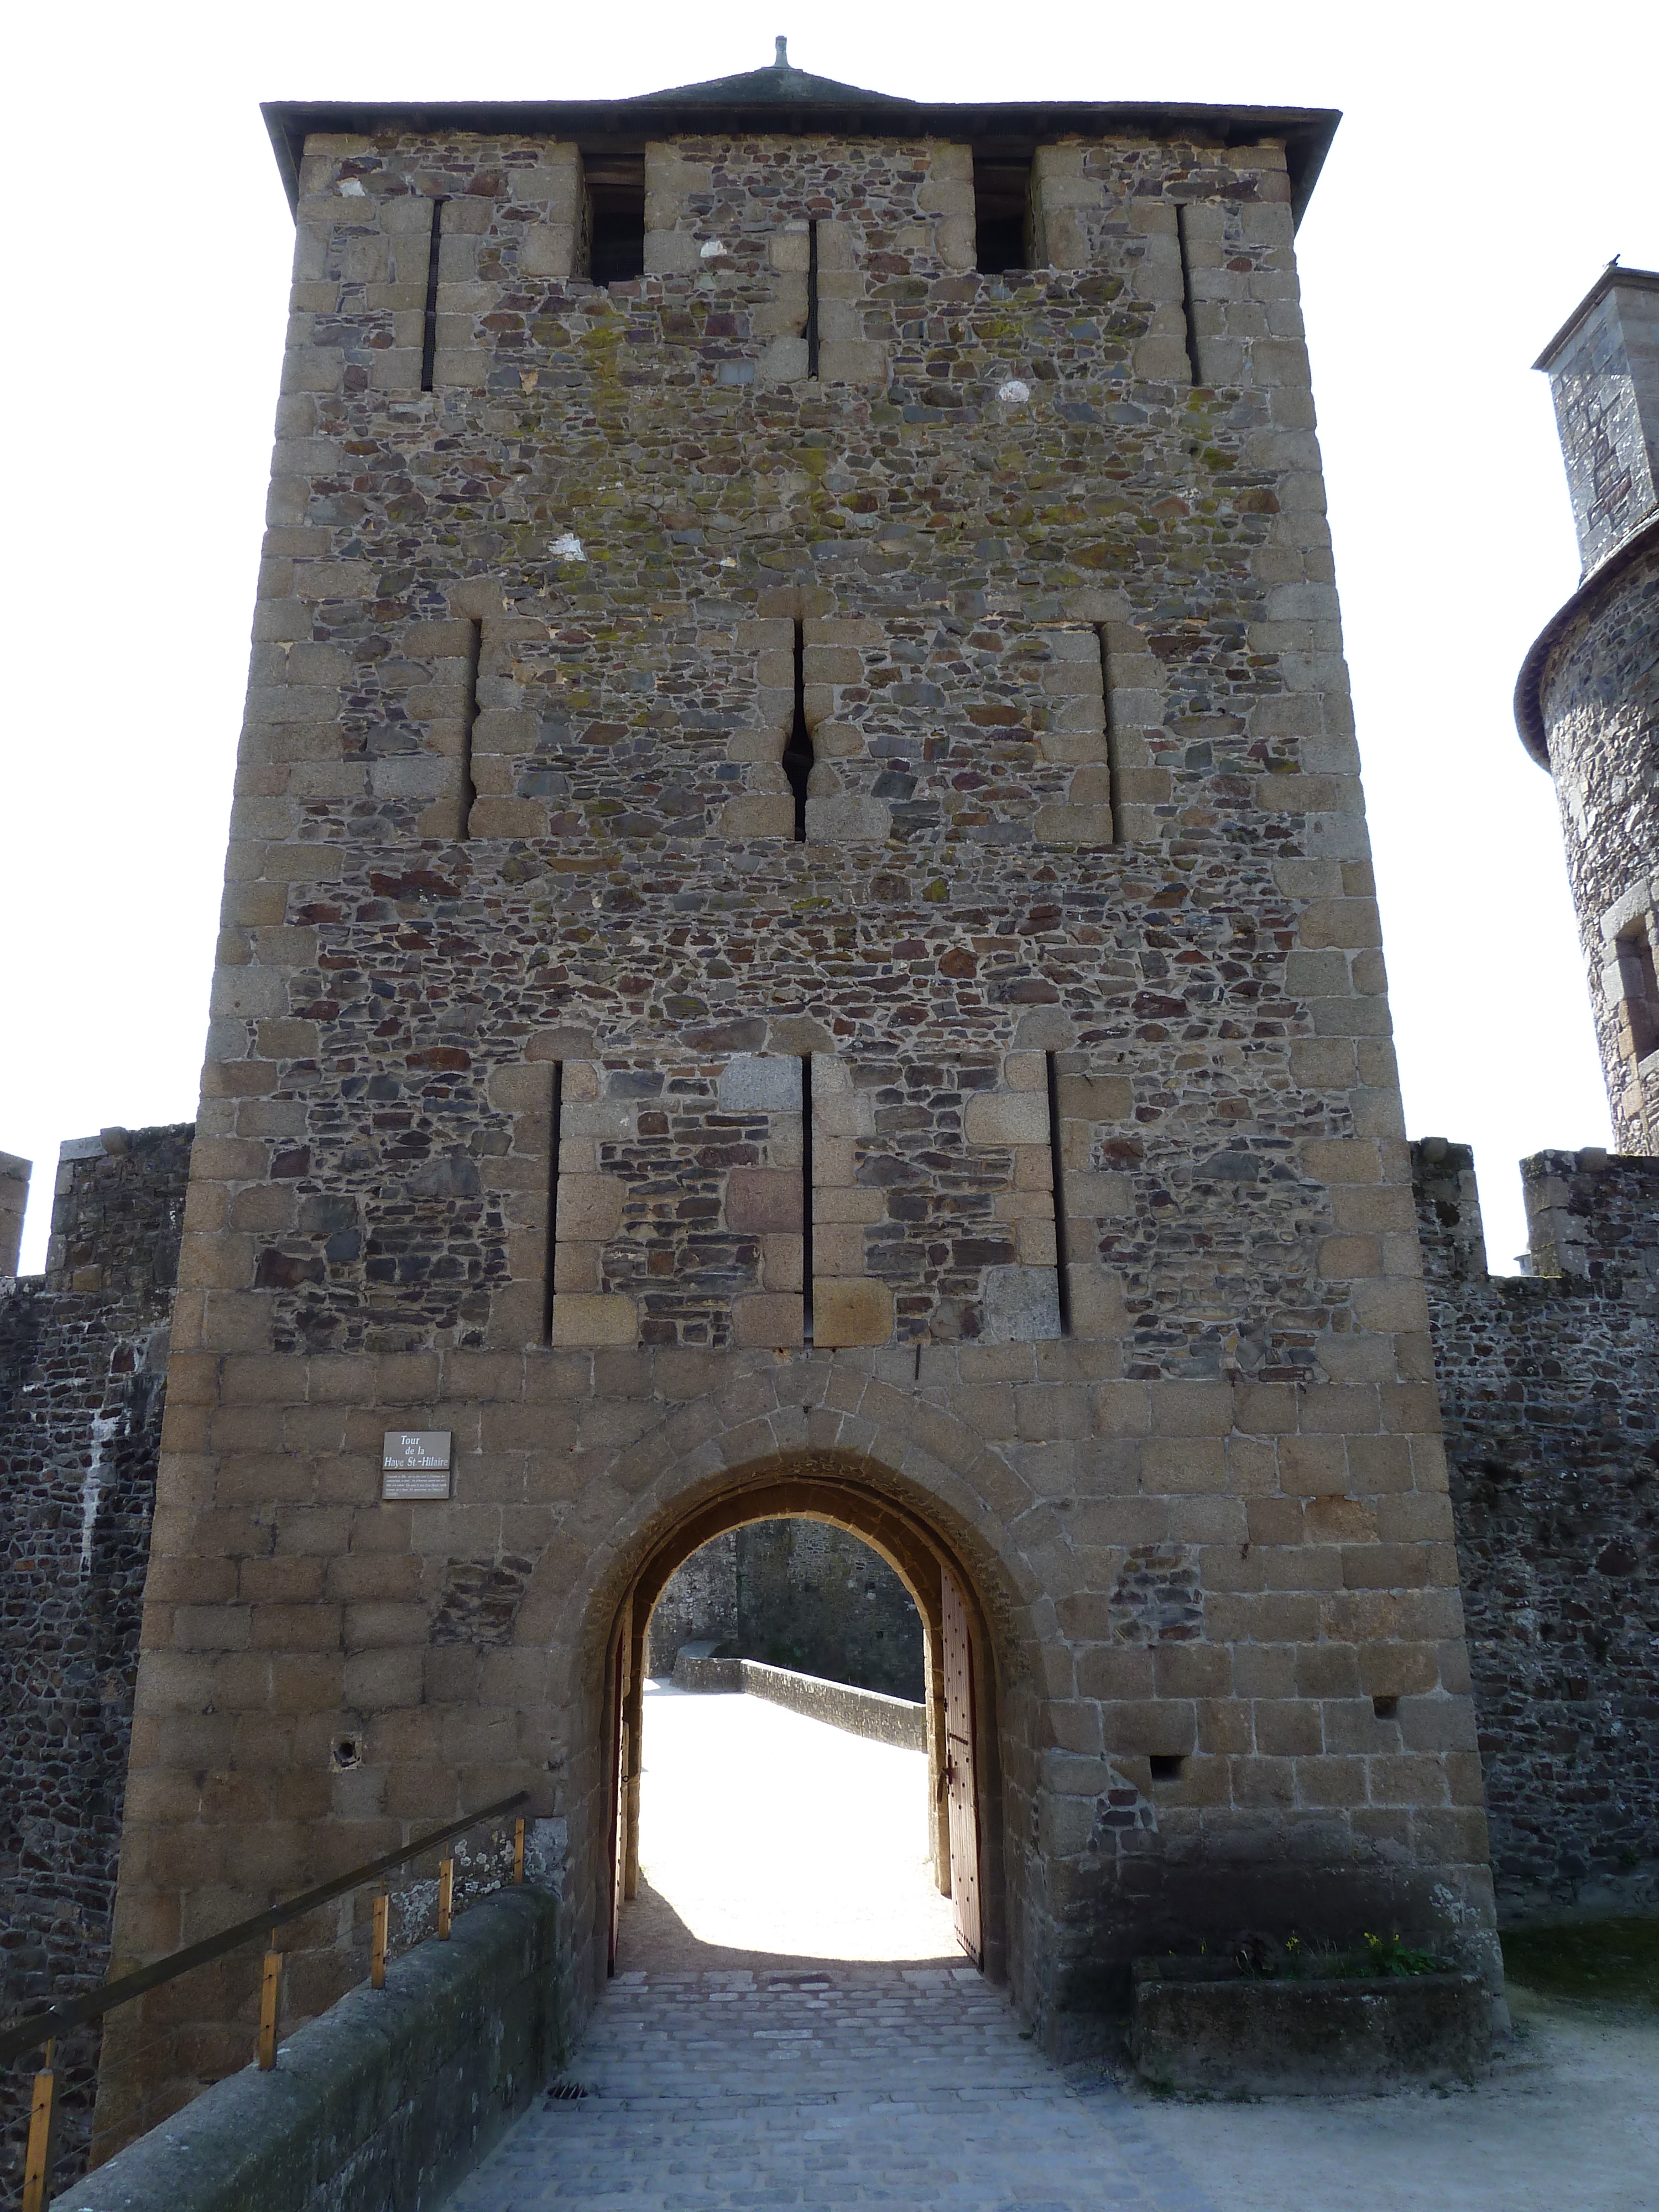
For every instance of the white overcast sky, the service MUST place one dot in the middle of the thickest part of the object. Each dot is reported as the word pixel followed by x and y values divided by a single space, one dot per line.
pixel 1490 159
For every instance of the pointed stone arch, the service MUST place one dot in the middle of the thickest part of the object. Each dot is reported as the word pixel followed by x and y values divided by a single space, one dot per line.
pixel 925 1510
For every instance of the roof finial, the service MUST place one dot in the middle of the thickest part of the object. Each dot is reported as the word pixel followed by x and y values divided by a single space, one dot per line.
pixel 782 61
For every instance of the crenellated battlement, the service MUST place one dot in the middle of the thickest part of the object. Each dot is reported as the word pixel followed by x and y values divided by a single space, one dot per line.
pixel 118 1213
pixel 1591 1214
pixel 1448 1219
pixel 1595 1215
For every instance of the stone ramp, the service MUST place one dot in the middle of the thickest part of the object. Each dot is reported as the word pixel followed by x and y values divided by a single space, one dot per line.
pixel 767 1839
pixel 851 2085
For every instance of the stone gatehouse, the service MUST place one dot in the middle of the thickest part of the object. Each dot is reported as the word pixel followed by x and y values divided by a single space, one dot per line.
pixel 799 941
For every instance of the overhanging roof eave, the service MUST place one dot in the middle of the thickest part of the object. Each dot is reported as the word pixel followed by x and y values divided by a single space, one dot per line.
pixel 1612 279
pixel 1307 131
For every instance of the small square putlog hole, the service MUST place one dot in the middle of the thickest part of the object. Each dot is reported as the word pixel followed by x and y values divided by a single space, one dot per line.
pixel 1166 1765
pixel 1386 1709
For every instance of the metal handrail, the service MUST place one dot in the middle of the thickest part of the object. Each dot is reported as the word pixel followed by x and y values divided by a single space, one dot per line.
pixel 57 2019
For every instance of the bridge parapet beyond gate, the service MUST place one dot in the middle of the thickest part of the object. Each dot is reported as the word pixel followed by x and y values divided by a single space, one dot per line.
pixel 348 2127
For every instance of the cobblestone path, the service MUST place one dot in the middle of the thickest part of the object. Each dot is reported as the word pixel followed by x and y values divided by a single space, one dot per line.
pixel 857 2084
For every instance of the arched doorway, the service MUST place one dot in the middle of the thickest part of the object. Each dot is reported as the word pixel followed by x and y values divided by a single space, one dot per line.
pixel 959 1683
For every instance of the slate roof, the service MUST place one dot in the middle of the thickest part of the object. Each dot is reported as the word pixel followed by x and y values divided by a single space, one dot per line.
pixel 780 84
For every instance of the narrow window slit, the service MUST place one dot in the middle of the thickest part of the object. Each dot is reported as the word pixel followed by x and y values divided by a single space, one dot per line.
pixel 1187 302
pixel 1114 779
pixel 813 300
pixel 1062 1276
pixel 553 1199
pixel 429 329
pixel 616 196
pixel 1002 211
pixel 807 1198
pixel 798 753
pixel 1638 987
pixel 469 715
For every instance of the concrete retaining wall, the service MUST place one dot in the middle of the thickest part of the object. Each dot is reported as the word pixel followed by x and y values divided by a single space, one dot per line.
pixel 861 1712
pixel 381 2106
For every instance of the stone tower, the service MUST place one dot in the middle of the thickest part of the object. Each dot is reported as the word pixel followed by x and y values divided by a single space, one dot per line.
pixel 1588 700
pixel 799 938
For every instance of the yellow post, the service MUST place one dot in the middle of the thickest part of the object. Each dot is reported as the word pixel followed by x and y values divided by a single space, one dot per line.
pixel 518 1851
pixel 270 1991
pixel 446 1897
pixel 377 1956
pixel 42 2153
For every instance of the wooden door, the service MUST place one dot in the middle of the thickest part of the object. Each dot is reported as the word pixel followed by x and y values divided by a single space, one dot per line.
pixel 618 1796
pixel 962 1797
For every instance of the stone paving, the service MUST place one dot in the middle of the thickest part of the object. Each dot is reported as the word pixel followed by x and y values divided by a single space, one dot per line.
pixel 851 2085
pixel 793 2024
pixel 757 2050
pixel 1566 2121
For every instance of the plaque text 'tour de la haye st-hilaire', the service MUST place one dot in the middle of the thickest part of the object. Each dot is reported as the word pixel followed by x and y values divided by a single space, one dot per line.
pixel 415 1462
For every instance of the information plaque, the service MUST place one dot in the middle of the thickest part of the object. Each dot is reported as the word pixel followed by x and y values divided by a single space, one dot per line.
pixel 415 1463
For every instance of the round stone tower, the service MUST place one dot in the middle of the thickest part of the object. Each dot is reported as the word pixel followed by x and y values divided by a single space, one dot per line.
pixel 1588 699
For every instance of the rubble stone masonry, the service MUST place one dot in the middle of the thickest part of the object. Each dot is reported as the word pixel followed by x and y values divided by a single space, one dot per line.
pixel 1588 700
pixel 797 1595
pixel 1084 879
pixel 82 1355
pixel 1549 1388
pixel 1601 706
